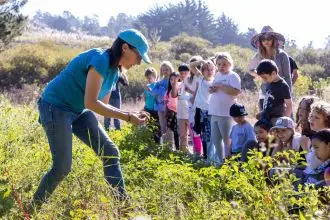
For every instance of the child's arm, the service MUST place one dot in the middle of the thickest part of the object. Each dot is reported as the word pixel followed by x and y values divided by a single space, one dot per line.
pixel 194 65
pixel 155 91
pixel 227 89
pixel 188 90
pixel 288 109
pixel 175 91
pixel 194 94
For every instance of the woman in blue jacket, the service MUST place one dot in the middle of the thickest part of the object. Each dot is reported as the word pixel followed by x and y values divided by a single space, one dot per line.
pixel 68 103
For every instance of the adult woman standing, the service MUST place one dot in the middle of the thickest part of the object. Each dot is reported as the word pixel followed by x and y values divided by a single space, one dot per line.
pixel 268 44
pixel 68 102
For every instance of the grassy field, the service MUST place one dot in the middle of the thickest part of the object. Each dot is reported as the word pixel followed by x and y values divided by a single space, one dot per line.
pixel 162 184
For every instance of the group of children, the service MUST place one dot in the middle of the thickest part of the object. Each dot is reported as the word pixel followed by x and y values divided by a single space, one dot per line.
pixel 200 99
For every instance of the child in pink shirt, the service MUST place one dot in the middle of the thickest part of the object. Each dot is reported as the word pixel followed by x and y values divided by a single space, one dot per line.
pixel 171 104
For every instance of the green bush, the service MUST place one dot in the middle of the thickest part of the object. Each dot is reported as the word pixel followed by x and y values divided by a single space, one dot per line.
pixel 162 184
pixel 36 61
pixel 312 70
pixel 33 64
pixel 302 85
pixel 191 45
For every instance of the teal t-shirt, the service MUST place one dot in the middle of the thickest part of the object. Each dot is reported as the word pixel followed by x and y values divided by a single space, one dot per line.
pixel 149 99
pixel 67 90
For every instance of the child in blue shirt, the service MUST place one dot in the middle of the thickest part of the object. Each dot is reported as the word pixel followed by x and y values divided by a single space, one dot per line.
pixel 149 106
pixel 243 131
pixel 159 91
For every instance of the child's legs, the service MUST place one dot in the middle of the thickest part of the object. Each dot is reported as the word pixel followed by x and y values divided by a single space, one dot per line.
pixel 206 131
pixel 162 122
pixel 225 125
pixel 175 132
pixel 155 125
pixel 183 132
pixel 117 103
pixel 217 139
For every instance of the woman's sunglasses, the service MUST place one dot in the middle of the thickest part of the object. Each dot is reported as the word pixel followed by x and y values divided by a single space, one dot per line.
pixel 266 38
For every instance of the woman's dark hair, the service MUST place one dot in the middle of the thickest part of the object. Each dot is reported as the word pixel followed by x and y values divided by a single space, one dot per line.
pixel 115 51
pixel 323 136
pixel 263 124
pixel 169 86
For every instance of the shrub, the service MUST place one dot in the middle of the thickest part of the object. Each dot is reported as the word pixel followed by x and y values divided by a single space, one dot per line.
pixel 191 45
pixel 302 85
pixel 33 64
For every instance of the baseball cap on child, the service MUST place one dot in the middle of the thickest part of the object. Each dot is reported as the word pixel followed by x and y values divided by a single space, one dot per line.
pixel 284 122
pixel 237 110
pixel 183 67
pixel 136 39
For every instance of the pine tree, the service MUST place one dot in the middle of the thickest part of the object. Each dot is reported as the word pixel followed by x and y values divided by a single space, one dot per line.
pixel 12 22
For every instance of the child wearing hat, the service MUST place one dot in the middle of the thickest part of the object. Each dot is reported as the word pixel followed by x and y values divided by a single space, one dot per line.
pixel 288 139
pixel 243 131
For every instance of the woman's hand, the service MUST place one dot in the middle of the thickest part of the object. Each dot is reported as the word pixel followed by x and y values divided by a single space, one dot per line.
pixel 137 118
pixel 144 114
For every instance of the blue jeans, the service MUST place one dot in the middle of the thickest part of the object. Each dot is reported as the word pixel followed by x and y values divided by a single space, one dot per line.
pixel 59 126
pixel 115 102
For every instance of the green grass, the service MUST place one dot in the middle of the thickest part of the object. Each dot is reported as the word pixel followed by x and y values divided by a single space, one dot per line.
pixel 161 184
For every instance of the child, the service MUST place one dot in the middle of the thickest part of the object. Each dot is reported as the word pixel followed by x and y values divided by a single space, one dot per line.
pixel 319 119
pixel 224 90
pixel 191 86
pixel 202 119
pixel 242 132
pixel 303 111
pixel 116 101
pixel 151 77
pixel 278 100
pixel 183 107
pixel 319 176
pixel 264 140
pixel 171 103
pixel 286 135
pixel 159 92
pixel 320 116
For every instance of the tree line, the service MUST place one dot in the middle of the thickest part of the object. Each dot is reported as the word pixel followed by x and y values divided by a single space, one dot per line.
pixel 161 22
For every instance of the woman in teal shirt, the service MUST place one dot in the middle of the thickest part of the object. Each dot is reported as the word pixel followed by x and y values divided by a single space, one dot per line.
pixel 67 104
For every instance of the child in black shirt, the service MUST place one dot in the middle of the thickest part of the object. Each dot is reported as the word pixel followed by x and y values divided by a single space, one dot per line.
pixel 278 102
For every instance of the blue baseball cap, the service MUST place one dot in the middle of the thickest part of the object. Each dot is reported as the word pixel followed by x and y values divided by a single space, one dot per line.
pixel 237 110
pixel 136 39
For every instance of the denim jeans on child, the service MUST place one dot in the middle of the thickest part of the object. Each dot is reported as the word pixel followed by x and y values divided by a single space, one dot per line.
pixel 59 126
pixel 115 102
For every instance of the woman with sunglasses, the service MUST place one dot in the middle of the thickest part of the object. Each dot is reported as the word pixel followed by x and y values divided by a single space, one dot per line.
pixel 68 103
pixel 268 44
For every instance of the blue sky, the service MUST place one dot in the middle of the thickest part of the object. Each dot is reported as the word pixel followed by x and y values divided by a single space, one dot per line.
pixel 303 21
